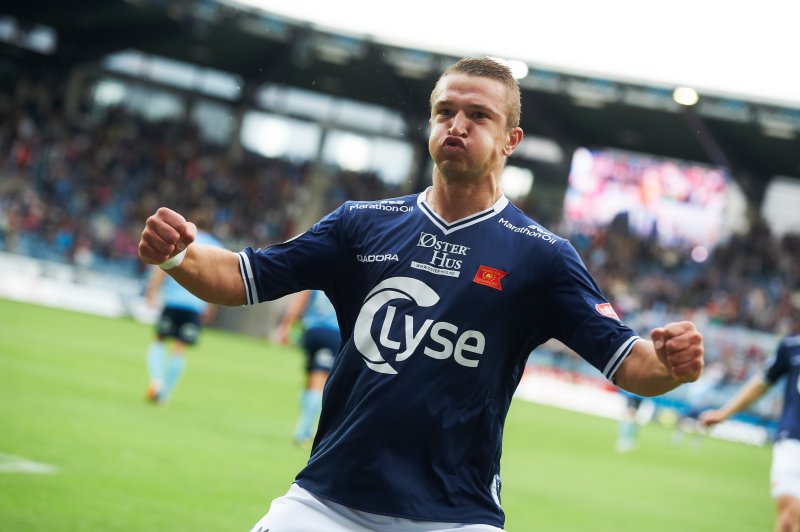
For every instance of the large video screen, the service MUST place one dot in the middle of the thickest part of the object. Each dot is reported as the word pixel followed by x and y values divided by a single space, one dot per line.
pixel 677 202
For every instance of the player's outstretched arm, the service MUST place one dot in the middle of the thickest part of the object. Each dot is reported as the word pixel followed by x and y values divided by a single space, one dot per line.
pixel 673 357
pixel 752 390
pixel 210 273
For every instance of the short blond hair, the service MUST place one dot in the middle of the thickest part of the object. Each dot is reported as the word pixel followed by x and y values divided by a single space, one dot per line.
pixel 486 67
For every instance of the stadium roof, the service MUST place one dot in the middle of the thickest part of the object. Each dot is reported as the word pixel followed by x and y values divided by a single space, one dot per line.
pixel 740 51
pixel 755 138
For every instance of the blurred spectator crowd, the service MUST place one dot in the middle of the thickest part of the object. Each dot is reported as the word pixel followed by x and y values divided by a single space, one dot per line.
pixel 78 191
pixel 750 280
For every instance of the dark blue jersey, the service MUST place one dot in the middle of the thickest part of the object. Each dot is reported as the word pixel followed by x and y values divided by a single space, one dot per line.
pixel 437 322
pixel 786 363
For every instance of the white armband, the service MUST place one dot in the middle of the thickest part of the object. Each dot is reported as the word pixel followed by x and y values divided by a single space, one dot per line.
pixel 175 261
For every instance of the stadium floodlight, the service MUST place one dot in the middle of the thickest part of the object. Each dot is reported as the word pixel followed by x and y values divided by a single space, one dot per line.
pixel 685 96
pixel 516 182
pixel 518 69
pixel 351 152
pixel 700 254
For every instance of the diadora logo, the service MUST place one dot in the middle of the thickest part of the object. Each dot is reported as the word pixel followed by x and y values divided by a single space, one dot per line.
pixel 532 230
pixel 445 339
pixel 444 260
pixel 385 205
pixel 378 258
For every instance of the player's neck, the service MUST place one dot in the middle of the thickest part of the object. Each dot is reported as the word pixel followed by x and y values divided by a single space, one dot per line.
pixel 454 201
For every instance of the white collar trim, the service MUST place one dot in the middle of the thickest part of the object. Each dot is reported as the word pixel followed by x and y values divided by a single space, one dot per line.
pixel 450 227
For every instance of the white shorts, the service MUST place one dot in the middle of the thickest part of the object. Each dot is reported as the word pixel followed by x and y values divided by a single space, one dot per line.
pixel 300 511
pixel 785 474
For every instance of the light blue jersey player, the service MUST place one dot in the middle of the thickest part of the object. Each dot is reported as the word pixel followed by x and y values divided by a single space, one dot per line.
pixel 785 473
pixel 628 426
pixel 441 297
pixel 181 320
pixel 320 341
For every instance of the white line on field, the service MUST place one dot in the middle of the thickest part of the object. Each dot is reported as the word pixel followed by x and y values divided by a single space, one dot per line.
pixel 18 464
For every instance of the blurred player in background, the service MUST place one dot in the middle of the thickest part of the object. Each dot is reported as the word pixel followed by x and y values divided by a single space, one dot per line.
pixel 628 427
pixel 320 342
pixel 785 473
pixel 441 298
pixel 698 396
pixel 182 317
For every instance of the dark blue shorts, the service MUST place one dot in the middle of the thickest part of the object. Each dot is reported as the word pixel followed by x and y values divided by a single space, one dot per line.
pixel 179 323
pixel 320 346
pixel 634 401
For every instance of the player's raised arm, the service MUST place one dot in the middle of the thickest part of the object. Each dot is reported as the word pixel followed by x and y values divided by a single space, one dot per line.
pixel 210 273
pixel 673 357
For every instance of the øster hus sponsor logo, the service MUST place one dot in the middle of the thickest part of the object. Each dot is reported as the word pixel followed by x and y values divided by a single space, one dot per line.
pixel 445 256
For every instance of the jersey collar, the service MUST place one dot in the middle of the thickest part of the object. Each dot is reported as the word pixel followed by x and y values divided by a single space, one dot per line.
pixel 450 227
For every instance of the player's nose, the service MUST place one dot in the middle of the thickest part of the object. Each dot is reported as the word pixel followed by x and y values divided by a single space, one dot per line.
pixel 458 127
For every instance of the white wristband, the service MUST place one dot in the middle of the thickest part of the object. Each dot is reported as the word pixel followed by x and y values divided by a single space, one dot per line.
pixel 173 262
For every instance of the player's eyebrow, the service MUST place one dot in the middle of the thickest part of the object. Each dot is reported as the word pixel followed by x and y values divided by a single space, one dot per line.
pixel 490 111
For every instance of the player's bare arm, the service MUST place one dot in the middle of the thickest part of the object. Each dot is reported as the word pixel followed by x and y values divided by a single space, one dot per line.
pixel 754 389
pixel 210 273
pixel 674 356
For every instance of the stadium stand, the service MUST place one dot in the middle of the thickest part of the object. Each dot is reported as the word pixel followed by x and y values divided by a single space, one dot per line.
pixel 76 181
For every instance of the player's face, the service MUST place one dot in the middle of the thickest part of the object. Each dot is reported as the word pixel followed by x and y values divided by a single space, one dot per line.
pixel 469 137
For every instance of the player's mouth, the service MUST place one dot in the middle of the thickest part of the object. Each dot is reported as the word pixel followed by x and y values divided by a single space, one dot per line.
pixel 452 143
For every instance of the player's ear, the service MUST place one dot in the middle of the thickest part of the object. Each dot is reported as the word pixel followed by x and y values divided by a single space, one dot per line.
pixel 513 138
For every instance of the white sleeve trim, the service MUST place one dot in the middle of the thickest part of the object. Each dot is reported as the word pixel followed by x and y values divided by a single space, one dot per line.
pixel 619 357
pixel 246 270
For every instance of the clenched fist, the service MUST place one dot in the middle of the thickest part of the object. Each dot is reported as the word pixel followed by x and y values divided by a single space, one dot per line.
pixel 679 346
pixel 165 234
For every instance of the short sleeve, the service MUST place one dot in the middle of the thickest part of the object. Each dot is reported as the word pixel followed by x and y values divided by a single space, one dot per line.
pixel 778 365
pixel 308 261
pixel 581 317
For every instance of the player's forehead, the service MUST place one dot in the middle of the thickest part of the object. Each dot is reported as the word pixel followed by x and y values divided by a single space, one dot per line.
pixel 464 89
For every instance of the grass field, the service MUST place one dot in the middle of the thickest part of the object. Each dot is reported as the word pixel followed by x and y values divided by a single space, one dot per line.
pixel 71 395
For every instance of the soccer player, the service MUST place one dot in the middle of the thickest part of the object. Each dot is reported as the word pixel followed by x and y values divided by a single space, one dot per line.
pixel 441 296
pixel 785 473
pixel 182 317
pixel 321 341
pixel 628 427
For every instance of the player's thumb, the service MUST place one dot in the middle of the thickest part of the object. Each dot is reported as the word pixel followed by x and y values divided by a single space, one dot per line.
pixel 659 338
pixel 188 235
